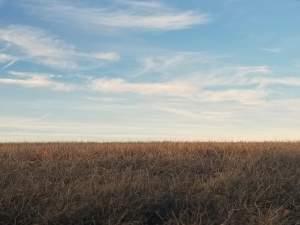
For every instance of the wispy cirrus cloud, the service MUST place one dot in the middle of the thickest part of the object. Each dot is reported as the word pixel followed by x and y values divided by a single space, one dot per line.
pixel 272 50
pixel 142 4
pixel 217 81
pixel 245 85
pixel 34 44
pixel 187 89
pixel 246 70
pixel 178 62
pixel 40 47
pixel 177 88
pixel 170 62
pixel 283 81
pixel 137 15
pixel 5 58
pixel 195 113
pixel 35 80
pixel 108 56
pixel 243 96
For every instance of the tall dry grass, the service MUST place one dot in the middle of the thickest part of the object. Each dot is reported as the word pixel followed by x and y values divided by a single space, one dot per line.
pixel 150 183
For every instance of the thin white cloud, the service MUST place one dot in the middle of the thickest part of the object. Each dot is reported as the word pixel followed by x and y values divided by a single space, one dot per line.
pixel 35 44
pixel 272 50
pixel 197 64
pixel 176 88
pixel 233 76
pixel 109 56
pixel 40 47
pixel 138 15
pixel 243 96
pixel 218 83
pixel 245 70
pixel 285 81
pixel 12 62
pixel 142 3
pixel 34 80
pixel 22 74
pixel 259 76
pixel 167 62
pixel 194 113
pixel 173 64
pixel 5 58
pixel 240 84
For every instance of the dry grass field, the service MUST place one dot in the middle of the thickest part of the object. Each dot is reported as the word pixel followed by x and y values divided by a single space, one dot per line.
pixel 150 183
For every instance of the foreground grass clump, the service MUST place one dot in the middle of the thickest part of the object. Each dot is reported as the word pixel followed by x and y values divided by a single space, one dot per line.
pixel 150 183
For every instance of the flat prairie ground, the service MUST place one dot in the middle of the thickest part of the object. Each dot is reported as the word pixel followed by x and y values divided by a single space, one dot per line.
pixel 150 183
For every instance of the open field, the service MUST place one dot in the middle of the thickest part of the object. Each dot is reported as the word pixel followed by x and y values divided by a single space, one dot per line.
pixel 150 183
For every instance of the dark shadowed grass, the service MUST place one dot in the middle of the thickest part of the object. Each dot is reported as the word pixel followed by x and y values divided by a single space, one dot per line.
pixel 150 183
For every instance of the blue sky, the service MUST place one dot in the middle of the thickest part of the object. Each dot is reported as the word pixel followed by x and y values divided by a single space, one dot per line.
pixel 149 70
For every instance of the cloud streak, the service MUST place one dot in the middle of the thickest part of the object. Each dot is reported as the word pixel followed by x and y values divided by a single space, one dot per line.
pixel 40 47
pixel 250 70
pixel 272 50
pixel 5 58
pixel 136 15
pixel 34 44
pixel 33 80
pixel 243 96
pixel 176 88
pixel 107 56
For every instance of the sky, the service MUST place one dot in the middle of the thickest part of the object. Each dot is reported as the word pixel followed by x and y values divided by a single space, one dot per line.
pixel 134 70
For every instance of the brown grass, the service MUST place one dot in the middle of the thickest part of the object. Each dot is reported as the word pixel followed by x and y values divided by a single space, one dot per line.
pixel 150 183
